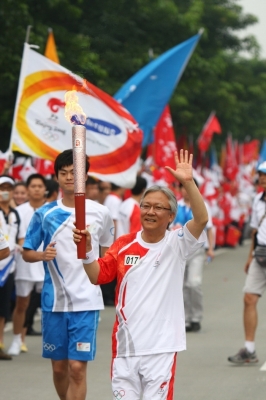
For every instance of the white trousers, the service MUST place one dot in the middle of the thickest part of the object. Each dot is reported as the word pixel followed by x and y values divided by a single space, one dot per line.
pixel 148 377
pixel 192 290
pixel 24 288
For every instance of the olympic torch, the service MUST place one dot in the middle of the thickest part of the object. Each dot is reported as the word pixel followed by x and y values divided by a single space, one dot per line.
pixel 75 115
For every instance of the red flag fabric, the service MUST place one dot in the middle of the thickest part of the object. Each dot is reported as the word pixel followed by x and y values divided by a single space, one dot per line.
pixel 44 167
pixel 17 168
pixel 2 164
pixel 27 170
pixel 212 126
pixel 5 160
pixel 164 143
pixel 231 166
pixel 251 151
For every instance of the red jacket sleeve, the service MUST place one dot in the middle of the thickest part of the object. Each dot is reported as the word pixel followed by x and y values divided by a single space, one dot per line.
pixel 109 264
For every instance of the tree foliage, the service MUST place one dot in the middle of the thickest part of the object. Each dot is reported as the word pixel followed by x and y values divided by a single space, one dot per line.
pixel 107 41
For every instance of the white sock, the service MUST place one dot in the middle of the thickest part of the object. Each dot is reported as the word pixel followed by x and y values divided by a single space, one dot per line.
pixel 17 338
pixel 250 346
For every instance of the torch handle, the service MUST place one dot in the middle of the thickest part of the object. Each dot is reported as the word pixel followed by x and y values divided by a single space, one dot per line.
pixel 80 223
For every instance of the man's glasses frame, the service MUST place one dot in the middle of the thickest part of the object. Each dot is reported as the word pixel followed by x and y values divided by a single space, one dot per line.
pixel 148 207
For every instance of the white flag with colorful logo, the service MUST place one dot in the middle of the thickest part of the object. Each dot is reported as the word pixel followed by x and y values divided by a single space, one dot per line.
pixel 113 139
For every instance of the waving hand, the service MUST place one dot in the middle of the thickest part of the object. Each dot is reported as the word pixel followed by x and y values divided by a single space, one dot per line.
pixel 183 172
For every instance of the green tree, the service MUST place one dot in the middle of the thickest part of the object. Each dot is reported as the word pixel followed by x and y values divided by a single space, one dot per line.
pixel 107 41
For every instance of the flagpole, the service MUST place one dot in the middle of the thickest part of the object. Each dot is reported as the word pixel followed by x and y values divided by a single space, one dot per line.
pixel 201 30
pixel 28 33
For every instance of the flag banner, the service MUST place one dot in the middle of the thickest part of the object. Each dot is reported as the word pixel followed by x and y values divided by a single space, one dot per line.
pixel 211 126
pixel 250 151
pixel 147 92
pixel 27 170
pixel 164 143
pixel 2 165
pixel 40 129
pixel 231 167
pixel 17 167
pixel 3 160
pixel 262 155
pixel 44 167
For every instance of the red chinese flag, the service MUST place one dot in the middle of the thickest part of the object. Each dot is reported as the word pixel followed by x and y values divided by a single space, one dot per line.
pixel 17 168
pixel 164 143
pixel 44 167
pixel 251 151
pixel 2 164
pixel 231 166
pixel 212 126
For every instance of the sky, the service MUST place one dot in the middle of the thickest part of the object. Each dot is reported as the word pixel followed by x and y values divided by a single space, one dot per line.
pixel 257 8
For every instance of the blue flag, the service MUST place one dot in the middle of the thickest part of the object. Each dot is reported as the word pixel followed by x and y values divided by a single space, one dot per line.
pixel 262 156
pixel 146 93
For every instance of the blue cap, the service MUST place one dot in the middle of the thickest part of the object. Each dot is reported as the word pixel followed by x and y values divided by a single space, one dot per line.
pixel 262 167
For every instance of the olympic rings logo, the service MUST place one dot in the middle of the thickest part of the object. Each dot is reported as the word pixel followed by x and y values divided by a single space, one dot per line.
pixel 49 347
pixel 119 394
pixel 50 135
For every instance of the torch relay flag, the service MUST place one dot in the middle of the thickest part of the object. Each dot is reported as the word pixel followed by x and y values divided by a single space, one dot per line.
pixel 40 129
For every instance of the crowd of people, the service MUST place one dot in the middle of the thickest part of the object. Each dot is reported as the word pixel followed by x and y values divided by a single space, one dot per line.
pixel 132 236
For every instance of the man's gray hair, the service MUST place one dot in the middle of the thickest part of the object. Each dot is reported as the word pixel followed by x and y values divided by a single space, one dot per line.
pixel 168 193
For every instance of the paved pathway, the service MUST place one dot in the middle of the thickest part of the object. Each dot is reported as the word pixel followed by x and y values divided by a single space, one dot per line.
pixel 203 372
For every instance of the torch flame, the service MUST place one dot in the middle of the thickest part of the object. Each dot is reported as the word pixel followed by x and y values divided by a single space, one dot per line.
pixel 73 111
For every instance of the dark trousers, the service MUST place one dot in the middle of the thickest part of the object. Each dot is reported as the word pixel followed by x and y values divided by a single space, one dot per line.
pixel 5 297
pixel 108 291
pixel 35 302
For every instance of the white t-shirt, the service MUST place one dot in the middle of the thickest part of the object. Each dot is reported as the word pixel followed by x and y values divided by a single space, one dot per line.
pixel 113 202
pixel 6 263
pixel 258 221
pixel 235 209
pixel 66 285
pixel 27 271
pixel 9 230
pixel 3 241
pixel 129 217
pixel 149 294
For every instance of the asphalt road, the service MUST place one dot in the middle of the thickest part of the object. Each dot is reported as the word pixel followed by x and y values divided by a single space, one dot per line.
pixel 203 372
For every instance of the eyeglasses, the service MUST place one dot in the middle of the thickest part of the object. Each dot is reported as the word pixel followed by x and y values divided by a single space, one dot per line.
pixel 147 207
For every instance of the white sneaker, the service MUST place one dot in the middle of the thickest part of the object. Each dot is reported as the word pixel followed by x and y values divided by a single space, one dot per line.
pixel 15 348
